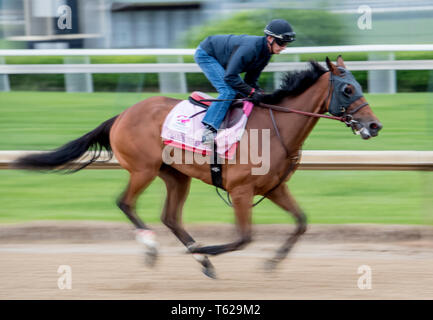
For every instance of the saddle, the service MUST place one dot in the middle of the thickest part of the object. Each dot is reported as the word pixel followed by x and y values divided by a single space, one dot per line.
pixel 183 127
pixel 233 115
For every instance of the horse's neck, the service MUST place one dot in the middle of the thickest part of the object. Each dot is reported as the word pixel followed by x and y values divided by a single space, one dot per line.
pixel 296 128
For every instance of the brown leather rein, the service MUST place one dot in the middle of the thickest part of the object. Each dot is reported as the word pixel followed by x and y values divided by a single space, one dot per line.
pixel 304 113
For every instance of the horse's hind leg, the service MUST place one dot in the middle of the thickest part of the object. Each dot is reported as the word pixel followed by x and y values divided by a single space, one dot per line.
pixel 138 181
pixel 177 190
pixel 282 197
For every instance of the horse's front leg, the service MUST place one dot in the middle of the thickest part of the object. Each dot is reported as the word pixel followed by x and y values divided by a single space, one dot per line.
pixel 242 198
pixel 282 197
pixel 178 185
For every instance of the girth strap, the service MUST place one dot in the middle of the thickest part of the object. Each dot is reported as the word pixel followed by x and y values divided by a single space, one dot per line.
pixel 216 169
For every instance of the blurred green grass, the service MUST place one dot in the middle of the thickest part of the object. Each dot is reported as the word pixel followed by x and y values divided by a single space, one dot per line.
pixel 326 197
pixel 44 120
pixel 41 121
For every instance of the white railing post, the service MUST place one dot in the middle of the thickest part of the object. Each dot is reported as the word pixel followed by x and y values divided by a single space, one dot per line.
pixel 382 81
pixel 172 82
pixel 278 76
pixel 78 82
pixel 4 79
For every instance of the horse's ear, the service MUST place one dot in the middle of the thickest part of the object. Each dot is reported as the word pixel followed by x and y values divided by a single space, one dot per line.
pixel 340 62
pixel 332 67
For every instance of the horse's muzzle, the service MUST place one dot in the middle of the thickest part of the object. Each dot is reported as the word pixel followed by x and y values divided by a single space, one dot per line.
pixel 367 130
pixel 374 127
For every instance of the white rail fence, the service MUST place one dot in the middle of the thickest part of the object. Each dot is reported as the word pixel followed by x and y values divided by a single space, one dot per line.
pixel 194 68
pixel 381 64
pixel 311 160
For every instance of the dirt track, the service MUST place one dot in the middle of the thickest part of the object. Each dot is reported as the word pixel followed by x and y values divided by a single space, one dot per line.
pixel 108 264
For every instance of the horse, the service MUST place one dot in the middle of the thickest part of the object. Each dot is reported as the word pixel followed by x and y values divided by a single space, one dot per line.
pixel 134 137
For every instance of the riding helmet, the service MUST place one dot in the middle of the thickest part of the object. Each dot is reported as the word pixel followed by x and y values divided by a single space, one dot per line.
pixel 281 30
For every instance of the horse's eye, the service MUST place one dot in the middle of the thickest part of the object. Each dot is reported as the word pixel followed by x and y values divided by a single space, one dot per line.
pixel 347 90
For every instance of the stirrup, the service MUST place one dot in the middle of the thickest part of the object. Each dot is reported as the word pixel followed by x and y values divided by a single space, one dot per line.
pixel 208 137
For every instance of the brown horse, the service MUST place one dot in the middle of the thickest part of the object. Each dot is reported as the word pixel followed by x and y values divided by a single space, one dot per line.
pixel 134 137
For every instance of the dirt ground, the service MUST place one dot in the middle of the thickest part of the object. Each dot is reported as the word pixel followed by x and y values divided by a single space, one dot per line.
pixel 107 263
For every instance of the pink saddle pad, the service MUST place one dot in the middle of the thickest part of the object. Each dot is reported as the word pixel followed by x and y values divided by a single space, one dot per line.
pixel 183 129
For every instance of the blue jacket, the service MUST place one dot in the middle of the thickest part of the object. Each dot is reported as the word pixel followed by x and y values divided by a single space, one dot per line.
pixel 238 54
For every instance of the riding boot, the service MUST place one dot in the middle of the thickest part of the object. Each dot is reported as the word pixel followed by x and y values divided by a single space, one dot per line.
pixel 209 135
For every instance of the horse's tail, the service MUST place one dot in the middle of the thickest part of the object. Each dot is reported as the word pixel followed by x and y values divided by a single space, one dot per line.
pixel 63 157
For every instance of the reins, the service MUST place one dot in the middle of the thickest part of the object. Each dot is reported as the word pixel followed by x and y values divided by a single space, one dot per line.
pixel 290 110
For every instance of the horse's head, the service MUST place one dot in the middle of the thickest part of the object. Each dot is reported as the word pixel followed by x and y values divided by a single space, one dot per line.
pixel 347 100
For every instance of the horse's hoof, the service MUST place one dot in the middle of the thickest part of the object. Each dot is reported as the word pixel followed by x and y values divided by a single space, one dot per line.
pixel 208 268
pixel 150 257
pixel 210 272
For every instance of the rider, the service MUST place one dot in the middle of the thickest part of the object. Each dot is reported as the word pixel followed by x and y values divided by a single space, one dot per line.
pixel 223 57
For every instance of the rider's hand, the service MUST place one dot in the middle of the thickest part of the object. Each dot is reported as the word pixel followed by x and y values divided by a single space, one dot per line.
pixel 257 97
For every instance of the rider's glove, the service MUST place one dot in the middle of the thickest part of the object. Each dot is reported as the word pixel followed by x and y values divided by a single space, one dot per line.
pixel 256 96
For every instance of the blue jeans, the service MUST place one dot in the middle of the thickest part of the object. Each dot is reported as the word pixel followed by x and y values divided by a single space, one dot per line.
pixel 215 74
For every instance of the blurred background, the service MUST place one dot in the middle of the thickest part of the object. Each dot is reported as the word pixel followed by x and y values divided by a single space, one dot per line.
pixel 42 108
pixel 109 24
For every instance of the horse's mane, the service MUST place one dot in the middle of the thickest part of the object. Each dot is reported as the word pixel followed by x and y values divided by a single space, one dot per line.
pixel 296 82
